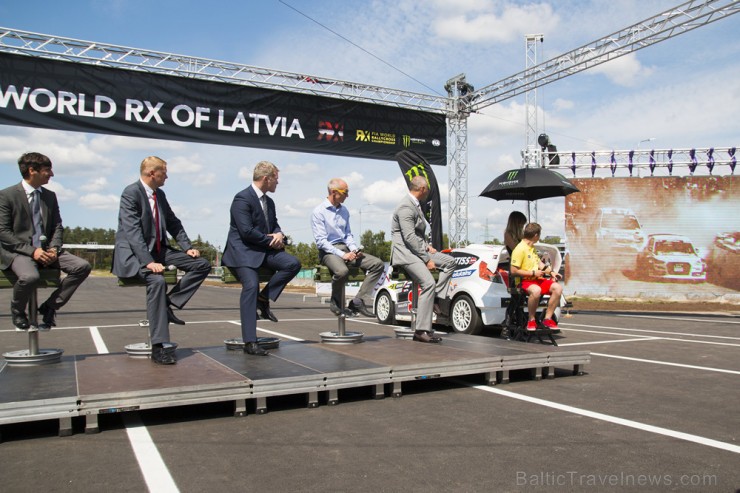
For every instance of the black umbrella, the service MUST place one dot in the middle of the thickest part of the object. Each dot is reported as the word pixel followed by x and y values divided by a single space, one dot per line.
pixel 529 184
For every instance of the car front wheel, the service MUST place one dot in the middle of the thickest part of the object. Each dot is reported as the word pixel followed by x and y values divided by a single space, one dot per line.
pixel 384 309
pixel 464 316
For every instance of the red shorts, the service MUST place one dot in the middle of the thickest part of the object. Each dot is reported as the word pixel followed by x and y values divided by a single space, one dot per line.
pixel 544 284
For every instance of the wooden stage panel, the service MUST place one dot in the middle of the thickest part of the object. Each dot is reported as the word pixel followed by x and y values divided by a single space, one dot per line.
pixel 393 352
pixel 89 385
pixel 50 381
pixel 318 356
pixel 119 373
pixel 258 368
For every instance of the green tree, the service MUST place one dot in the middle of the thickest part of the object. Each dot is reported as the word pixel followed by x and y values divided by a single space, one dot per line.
pixel 376 244
pixel 100 259
pixel 306 253
pixel 552 240
pixel 207 250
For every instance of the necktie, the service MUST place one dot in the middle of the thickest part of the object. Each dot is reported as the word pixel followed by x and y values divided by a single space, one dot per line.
pixel 38 226
pixel 263 199
pixel 158 237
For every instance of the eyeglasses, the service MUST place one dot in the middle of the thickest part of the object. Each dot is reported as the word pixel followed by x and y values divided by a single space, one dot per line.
pixel 343 191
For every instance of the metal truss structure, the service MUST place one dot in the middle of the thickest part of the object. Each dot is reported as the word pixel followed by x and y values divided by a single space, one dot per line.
pixel 678 20
pixel 606 163
pixel 462 99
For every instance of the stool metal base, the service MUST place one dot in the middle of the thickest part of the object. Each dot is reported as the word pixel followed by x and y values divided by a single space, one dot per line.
pixel 337 338
pixel 139 350
pixel 144 349
pixel 404 332
pixel 263 342
pixel 25 358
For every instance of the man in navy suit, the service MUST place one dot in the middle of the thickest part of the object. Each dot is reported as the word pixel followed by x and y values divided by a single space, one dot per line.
pixel 142 250
pixel 255 240
pixel 23 248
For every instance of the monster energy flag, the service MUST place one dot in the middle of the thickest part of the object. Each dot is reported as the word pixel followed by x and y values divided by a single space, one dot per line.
pixel 412 164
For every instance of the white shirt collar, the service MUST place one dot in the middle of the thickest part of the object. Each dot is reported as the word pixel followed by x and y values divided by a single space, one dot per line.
pixel 259 192
pixel 28 188
pixel 414 199
pixel 149 191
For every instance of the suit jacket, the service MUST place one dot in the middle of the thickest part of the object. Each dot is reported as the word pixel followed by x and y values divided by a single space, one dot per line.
pixel 136 235
pixel 408 237
pixel 16 223
pixel 247 242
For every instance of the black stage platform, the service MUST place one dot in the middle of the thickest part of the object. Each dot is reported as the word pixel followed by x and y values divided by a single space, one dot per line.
pixel 89 385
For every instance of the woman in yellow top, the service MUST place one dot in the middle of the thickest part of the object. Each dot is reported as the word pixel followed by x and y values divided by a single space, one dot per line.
pixel 527 264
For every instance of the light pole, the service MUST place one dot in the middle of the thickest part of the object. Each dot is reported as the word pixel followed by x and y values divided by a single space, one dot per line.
pixel 360 214
pixel 649 139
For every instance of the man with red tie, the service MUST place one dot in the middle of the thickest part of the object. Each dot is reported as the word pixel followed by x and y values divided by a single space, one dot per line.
pixel 142 250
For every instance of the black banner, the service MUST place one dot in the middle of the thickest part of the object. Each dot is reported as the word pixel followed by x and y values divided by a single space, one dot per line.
pixel 412 164
pixel 37 92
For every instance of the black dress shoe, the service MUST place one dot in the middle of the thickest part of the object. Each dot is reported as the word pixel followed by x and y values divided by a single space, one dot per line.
pixel 263 308
pixel 173 318
pixel 336 310
pixel 48 317
pixel 254 349
pixel 424 336
pixel 164 356
pixel 20 320
pixel 360 307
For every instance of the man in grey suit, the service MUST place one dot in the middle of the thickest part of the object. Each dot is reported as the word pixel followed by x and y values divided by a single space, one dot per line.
pixel 142 250
pixel 255 240
pixel 411 251
pixel 31 236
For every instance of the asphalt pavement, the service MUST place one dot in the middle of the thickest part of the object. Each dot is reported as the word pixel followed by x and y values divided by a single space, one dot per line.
pixel 657 410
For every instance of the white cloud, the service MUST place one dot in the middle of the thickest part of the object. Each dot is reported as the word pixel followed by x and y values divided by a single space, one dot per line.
pixel 293 169
pixel 624 71
pixel 63 194
pixel 385 192
pixel 508 25
pixel 562 104
pixel 99 201
pixel 95 184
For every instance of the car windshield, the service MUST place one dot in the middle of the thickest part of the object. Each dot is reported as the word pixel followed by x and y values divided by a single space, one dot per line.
pixel 618 221
pixel 673 247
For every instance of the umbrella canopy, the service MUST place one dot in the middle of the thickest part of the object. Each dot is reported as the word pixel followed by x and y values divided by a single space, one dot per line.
pixel 528 184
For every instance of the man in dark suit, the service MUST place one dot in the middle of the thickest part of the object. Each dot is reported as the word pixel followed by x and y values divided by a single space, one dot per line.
pixel 31 236
pixel 142 250
pixel 255 240
pixel 411 251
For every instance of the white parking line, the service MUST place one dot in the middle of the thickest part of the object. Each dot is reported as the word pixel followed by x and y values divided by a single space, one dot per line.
pixel 271 332
pixel 634 339
pixel 704 320
pixel 100 346
pixel 157 476
pixel 637 337
pixel 668 363
pixel 661 332
pixel 155 472
pixel 612 419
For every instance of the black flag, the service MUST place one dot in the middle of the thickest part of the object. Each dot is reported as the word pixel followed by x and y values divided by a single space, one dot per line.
pixel 413 164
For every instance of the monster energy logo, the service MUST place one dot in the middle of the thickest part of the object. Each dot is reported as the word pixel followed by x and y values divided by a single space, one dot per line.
pixel 406 140
pixel 416 171
pixel 512 175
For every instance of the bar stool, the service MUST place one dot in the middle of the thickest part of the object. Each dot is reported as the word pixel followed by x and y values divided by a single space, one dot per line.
pixel 33 356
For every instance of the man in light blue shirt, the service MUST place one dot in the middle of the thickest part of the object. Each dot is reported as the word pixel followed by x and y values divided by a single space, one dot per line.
pixel 338 250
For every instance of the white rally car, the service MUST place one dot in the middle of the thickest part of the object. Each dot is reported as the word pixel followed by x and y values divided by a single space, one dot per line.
pixel 478 289
pixel 670 257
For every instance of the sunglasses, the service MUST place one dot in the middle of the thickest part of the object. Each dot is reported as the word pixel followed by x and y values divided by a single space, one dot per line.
pixel 343 191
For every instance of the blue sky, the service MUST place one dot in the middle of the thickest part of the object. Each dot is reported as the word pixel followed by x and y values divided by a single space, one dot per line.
pixel 683 92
